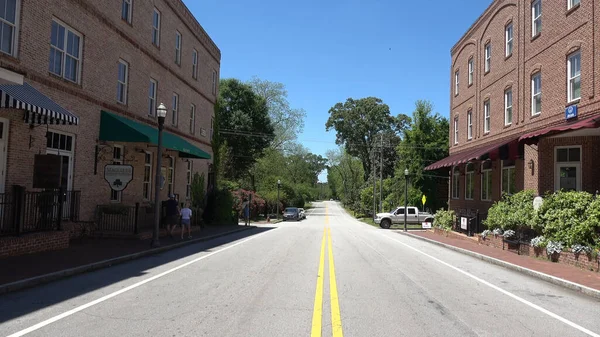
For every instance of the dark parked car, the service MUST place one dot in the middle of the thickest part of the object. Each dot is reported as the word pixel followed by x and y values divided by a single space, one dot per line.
pixel 291 213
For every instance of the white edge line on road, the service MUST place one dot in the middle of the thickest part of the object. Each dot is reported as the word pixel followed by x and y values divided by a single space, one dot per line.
pixel 502 262
pixel 119 292
pixel 505 292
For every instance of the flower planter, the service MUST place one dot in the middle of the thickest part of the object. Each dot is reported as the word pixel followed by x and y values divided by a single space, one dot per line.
pixel 538 251
pixel 554 257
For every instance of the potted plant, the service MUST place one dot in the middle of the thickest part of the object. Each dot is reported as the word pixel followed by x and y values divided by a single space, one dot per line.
pixel 553 249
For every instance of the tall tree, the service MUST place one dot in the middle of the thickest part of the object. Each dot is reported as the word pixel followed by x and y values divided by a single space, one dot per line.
pixel 287 122
pixel 359 123
pixel 425 141
pixel 345 176
pixel 245 125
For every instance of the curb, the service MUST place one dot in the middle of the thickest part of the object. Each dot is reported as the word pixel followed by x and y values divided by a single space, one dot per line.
pixel 545 277
pixel 61 274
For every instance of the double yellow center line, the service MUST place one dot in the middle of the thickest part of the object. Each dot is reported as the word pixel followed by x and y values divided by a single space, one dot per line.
pixel 336 319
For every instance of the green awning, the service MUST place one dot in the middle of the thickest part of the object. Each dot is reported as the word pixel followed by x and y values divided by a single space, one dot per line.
pixel 116 128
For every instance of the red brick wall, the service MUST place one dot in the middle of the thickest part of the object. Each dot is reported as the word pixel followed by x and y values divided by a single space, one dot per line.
pixel 33 243
pixel 590 146
pixel 562 32
pixel 107 39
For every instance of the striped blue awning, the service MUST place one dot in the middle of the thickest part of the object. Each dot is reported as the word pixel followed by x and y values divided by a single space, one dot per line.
pixel 39 109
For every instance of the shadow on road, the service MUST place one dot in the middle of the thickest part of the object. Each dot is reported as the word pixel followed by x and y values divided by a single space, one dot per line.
pixel 17 304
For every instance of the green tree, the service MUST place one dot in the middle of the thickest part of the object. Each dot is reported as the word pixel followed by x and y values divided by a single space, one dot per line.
pixel 359 123
pixel 345 176
pixel 287 122
pixel 245 125
pixel 425 140
pixel 198 190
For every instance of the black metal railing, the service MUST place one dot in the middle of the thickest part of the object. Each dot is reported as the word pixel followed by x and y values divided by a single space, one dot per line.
pixel 124 218
pixel 24 211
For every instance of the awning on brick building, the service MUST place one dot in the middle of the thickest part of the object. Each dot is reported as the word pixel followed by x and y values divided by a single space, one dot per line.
pixel 39 109
pixel 491 150
pixel 117 128
pixel 588 123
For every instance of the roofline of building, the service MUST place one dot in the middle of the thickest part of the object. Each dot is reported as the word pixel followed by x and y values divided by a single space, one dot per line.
pixel 196 28
pixel 475 25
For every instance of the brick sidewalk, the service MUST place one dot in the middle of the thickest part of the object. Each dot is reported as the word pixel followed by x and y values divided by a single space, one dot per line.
pixel 86 251
pixel 573 274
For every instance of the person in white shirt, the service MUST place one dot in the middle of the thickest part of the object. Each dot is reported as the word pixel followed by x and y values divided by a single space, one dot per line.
pixel 186 219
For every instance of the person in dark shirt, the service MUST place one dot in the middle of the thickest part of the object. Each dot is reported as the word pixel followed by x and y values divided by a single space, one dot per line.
pixel 172 214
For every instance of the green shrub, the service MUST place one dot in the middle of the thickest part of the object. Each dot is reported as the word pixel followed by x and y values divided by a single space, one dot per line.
pixel 513 212
pixel 565 218
pixel 219 208
pixel 443 219
pixel 198 191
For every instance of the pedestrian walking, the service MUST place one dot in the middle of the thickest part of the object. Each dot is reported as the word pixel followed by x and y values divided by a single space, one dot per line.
pixel 186 220
pixel 172 214
pixel 246 211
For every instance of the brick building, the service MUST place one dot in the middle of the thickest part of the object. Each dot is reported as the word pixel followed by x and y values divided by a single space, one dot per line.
pixel 524 110
pixel 82 79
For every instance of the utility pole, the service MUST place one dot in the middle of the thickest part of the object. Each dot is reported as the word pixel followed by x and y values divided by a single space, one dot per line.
pixel 373 175
pixel 381 176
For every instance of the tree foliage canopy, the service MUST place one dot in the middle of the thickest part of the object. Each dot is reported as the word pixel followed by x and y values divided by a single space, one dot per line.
pixel 245 125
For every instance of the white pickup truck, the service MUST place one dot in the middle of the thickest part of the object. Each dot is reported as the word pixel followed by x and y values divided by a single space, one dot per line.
pixel 413 216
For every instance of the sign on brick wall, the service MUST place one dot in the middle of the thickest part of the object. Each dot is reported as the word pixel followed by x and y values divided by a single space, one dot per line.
pixel 118 176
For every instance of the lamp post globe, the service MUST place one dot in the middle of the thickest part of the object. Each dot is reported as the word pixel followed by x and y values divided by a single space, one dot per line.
pixel 161 113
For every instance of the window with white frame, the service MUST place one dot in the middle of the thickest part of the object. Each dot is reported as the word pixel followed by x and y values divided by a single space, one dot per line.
pixel 470 124
pixel 212 122
pixel 509 39
pixel 123 79
pixel 147 188
pixel 471 70
pixel 177 48
pixel 508 106
pixel 486 180
pixel 455 182
pixel 536 17
pixel 194 64
pixel 117 159
pixel 214 82
pixel 9 29
pixel 456 130
pixel 509 185
pixel 469 182
pixel 152 97
pixel 156 27
pixel 536 93
pixel 188 179
pixel 456 82
pixel 65 51
pixel 126 9
pixel 488 57
pixel 568 168
pixel 486 116
pixel 175 107
pixel 574 76
pixel 171 174
pixel 573 3
pixel 193 119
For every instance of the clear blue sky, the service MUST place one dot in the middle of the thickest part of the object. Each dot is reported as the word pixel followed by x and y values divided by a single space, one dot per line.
pixel 329 50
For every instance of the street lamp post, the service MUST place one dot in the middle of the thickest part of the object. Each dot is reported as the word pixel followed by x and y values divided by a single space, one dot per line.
pixel 161 113
pixel 278 187
pixel 405 196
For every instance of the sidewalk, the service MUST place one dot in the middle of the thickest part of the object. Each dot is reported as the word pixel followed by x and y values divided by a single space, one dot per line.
pixel 569 273
pixel 92 250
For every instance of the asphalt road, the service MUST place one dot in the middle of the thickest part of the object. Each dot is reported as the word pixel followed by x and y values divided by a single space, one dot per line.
pixel 329 275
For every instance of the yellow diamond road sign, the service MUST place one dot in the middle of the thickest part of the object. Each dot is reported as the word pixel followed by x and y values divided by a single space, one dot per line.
pixel 424 199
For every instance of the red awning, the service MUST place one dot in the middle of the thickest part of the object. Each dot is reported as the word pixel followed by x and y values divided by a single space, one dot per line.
pixel 473 154
pixel 589 123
